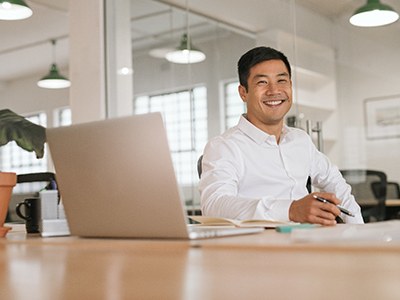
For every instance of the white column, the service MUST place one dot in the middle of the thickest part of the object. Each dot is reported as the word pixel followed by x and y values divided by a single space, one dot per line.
pixel 87 60
pixel 119 59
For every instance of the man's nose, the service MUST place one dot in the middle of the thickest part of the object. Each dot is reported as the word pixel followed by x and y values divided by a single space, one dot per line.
pixel 272 89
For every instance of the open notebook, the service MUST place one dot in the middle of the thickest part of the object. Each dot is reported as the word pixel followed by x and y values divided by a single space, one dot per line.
pixel 217 221
pixel 116 179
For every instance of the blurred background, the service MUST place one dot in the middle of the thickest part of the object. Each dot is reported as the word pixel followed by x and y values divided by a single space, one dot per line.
pixel 346 78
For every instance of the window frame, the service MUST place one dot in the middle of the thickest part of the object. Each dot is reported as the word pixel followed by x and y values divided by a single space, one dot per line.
pixel 197 139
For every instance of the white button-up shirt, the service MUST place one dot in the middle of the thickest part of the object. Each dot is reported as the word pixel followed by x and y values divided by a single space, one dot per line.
pixel 247 175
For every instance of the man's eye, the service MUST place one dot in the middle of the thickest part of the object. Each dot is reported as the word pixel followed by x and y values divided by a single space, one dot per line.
pixel 261 82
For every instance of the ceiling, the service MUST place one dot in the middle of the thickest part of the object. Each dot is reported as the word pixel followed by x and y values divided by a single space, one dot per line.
pixel 26 47
pixel 26 44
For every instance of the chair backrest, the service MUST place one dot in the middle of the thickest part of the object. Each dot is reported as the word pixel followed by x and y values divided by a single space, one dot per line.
pixel 393 190
pixel 369 187
pixel 199 166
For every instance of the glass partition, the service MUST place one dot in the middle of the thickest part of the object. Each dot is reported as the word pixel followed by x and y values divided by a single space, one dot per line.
pixel 345 78
pixel 344 96
pixel 157 28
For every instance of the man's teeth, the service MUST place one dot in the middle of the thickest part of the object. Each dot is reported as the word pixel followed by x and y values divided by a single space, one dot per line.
pixel 277 102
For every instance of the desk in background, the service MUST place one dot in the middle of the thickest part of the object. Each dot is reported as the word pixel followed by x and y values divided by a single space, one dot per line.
pixel 393 202
pixel 392 207
pixel 388 202
pixel 259 266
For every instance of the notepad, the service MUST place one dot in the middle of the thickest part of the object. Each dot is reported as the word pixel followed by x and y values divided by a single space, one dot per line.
pixel 384 231
pixel 218 221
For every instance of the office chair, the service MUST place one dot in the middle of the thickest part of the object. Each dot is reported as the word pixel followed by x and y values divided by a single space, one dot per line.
pixel 369 188
pixel 29 185
pixel 199 166
pixel 393 190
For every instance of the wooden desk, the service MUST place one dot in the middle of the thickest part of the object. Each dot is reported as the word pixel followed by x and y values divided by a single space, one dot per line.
pixel 260 266
pixel 392 207
pixel 392 202
pixel 370 202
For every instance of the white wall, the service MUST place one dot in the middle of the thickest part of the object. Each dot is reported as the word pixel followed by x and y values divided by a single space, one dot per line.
pixel 23 96
pixel 368 66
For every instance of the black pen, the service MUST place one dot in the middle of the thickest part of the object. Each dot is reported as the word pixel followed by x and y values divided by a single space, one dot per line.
pixel 342 209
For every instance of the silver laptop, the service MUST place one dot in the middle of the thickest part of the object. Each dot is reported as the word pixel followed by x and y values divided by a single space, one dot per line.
pixel 116 180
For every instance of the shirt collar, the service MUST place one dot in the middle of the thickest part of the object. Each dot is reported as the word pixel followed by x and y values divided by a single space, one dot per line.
pixel 252 131
pixel 258 135
pixel 286 134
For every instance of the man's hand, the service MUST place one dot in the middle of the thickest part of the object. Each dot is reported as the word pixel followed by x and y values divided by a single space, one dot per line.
pixel 309 210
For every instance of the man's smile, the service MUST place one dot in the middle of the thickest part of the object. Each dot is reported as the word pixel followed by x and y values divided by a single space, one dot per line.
pixel 274 102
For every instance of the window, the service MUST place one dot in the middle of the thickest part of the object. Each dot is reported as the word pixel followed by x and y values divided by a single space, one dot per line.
pixel 234 107
pixel 15 159
pixel 185 117
pixel 63 117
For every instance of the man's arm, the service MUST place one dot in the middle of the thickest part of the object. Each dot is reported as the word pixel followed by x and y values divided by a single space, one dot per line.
pixel 309 210
pixel 223 171
pixel 327 177
pixel 219 186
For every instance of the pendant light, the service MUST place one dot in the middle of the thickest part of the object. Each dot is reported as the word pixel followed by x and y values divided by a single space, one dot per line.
pixel 54 80
pixel 185 53
pixel 14 10
pixel 374 14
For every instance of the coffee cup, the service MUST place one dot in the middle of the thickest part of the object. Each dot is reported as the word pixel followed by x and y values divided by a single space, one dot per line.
pixel 31 214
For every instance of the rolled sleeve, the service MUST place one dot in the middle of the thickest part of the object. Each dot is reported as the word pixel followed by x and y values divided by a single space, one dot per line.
pixel 271 209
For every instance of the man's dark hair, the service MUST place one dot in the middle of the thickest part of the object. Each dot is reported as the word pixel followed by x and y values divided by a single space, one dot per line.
pixel 256 56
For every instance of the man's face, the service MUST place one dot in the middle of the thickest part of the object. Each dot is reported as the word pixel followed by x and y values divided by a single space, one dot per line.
pixel 269 94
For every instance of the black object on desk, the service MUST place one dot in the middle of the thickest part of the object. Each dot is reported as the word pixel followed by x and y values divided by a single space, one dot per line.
pixel 31 215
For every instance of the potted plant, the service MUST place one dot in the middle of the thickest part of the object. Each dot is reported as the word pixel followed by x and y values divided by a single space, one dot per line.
pixel 28 136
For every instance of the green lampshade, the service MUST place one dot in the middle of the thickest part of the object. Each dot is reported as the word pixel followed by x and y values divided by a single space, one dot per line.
pixel 185 53
pixel 14 10
pixel 54 80
pixel 374 14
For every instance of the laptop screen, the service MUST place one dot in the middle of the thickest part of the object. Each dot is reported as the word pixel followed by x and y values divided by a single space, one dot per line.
pixel 116 178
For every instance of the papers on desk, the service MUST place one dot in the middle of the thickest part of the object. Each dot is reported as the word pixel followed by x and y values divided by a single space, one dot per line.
pixel 217 221
pixel 385 231
pixel 53 221
pixel 57 227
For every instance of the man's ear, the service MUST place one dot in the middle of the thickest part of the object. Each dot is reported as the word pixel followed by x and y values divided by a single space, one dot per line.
pixel 243 93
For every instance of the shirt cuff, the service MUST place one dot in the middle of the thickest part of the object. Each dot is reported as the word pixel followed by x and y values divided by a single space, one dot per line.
pixel 269 209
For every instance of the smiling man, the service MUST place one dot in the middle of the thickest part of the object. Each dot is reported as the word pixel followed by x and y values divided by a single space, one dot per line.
pixel 259 168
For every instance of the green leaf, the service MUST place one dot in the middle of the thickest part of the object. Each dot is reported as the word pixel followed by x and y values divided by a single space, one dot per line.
pixel 29 136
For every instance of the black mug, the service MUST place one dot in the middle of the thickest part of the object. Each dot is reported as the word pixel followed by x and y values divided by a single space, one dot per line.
pixel 32 214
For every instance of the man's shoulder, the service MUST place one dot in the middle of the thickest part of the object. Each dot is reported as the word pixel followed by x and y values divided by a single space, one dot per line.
pixel 231 134
pixel 226 140
pixel 297 132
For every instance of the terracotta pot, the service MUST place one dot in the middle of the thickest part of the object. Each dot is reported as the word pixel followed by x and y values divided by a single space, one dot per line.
pixel 7 182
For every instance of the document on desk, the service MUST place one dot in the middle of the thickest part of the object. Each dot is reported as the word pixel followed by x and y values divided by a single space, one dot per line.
pixel 217 221
pixel 385 231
